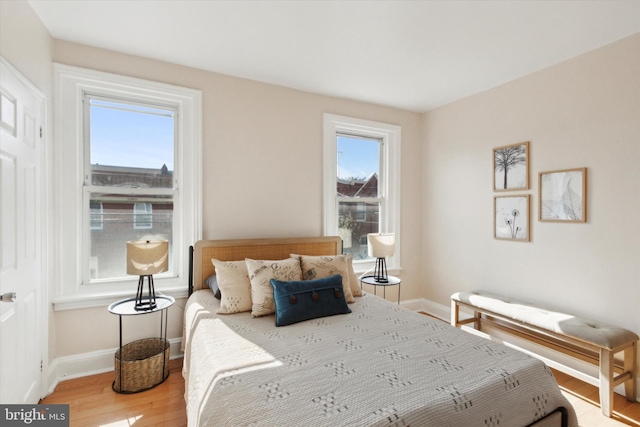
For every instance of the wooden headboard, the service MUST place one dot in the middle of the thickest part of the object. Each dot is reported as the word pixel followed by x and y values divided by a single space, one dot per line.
pixel 271 249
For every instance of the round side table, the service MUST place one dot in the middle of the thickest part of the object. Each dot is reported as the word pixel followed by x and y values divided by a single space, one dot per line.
pixel 392 281
pixel 142 364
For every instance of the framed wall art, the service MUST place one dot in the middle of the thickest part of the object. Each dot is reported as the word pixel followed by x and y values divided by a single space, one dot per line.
pixel 511 217
pixel 511 167
pixel 563 195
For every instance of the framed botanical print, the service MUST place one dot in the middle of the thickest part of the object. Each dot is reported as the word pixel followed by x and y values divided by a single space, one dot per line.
pixel 511 217
pixel 563 195
pixel 511 167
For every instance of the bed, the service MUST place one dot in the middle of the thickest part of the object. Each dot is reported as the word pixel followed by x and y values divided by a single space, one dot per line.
pixel 376 365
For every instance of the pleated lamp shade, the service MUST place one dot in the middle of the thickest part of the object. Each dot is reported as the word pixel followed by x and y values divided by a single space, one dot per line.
pixel 147 257
pixel 381 245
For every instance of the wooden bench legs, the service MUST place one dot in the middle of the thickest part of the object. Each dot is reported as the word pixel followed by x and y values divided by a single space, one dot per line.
pixel 455 317
pixel 607 379
pixel 631 365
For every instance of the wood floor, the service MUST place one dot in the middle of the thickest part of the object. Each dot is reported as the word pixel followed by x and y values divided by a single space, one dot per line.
pixel 94 404
pixel 584 398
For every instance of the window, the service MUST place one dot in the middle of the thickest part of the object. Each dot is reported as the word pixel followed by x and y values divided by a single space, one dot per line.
pixel 136 146
pixel 129 145
pixel 361 214
pixel 95 209
pixel 357 192
pixel 361 183
pixel 142 216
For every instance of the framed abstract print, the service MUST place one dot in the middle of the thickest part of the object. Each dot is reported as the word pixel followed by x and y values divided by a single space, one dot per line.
pixel 563 195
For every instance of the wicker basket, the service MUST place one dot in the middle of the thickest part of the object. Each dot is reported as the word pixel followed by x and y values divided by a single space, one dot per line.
pixel 141 365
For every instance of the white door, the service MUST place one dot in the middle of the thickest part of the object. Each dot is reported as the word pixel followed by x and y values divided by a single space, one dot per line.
pixel 21 122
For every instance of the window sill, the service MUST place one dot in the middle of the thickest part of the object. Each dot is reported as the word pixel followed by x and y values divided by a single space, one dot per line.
pixel 104 299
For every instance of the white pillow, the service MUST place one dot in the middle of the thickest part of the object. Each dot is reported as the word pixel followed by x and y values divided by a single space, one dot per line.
pixel 235 286
pixel 260 274
pixel 318 267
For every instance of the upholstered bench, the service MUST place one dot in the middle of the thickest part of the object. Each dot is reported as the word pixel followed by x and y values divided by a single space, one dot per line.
pixel 602 340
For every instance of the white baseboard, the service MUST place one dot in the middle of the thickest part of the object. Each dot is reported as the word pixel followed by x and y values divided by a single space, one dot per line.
pixel 95 362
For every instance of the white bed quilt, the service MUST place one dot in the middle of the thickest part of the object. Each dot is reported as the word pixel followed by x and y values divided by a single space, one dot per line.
pixel 381 365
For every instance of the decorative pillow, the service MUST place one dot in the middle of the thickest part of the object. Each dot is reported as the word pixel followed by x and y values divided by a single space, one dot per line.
pixel 234 284
pixel 260 274
pixel 317 267
pixel 354 280
pixel 301 300
pixel 212 283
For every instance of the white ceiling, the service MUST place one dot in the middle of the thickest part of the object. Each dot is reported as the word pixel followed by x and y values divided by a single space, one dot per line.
pixel 415 55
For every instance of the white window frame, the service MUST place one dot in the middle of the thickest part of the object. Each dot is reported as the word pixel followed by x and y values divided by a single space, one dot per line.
pixel 72 221
pixel 388 184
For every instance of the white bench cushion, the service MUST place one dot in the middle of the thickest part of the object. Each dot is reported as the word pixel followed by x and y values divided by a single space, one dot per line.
pixel 597 333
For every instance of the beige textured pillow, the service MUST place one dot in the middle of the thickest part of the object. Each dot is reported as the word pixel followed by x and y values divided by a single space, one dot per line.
pixel 260 274
pixel 235 286
pixel 317 267
pixel 354 281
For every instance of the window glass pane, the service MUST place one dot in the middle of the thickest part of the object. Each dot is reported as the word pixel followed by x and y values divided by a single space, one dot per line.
pixel 108 244
pixel 358 166
pixel 358 176
pixel 355 221
pixel 131 145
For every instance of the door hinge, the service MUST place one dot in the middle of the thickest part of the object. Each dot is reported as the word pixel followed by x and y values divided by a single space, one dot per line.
pixel 40 131
pixel 41 365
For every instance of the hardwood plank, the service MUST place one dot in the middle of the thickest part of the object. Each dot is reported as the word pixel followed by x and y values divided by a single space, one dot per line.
pixel 93 403
pixel 585 399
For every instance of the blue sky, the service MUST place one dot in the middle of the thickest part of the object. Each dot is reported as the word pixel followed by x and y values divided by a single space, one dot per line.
pixel 142 138
pixel 357 157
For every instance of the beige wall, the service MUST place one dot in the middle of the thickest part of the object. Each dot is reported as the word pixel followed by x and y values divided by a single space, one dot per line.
pixel 26 43
pixel 582 112
pixel 262 168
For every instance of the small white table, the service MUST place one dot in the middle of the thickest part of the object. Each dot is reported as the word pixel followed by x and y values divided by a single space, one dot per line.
pixel 392 281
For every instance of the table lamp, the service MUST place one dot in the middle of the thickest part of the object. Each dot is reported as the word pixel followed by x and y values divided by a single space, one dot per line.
pixel 380 246
pixel 146 258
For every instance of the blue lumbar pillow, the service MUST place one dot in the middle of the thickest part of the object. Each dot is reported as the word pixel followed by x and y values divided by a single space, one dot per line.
pixel 301 300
